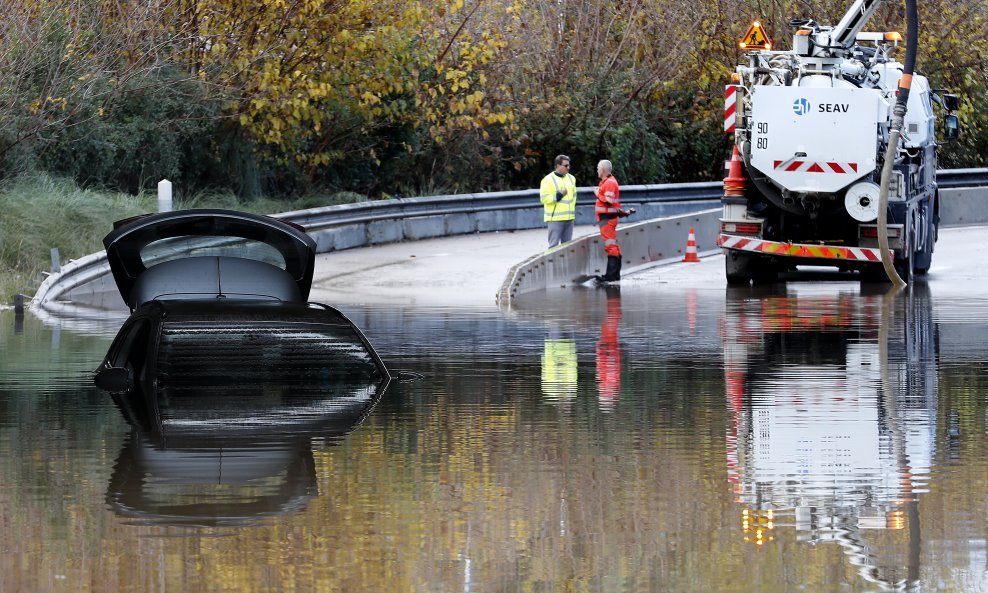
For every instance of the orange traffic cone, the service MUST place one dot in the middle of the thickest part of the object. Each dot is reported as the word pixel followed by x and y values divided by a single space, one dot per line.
pixel 691 248
pixel 734 183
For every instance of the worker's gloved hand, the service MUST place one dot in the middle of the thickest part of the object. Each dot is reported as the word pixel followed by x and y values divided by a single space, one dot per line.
pixel 623 213
pixel 559 196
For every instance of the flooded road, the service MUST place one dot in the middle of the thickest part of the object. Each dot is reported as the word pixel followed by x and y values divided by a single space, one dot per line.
pixel 817 437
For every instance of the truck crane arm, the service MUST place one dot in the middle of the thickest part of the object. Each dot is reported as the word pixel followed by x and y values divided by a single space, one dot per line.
pixel 844 33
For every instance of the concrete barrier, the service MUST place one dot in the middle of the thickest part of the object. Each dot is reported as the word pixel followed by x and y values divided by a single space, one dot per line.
pixel 655 241
pixel 966 206
pixel 643 244
pixel 87 279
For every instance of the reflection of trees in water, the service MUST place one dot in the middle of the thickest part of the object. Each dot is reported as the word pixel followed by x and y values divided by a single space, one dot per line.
pixel 525 501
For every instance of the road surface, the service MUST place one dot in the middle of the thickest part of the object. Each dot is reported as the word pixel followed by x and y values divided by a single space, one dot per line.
pixel 462 270
pixel 467 270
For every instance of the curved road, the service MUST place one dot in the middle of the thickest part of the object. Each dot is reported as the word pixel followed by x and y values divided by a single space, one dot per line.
pixel 462 270
pixel 468 270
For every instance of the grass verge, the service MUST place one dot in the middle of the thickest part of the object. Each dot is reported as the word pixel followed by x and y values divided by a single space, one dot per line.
pixel 39 212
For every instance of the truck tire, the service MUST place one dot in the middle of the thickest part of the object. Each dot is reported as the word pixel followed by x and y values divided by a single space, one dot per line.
pixel 904 267
pixel 738 280
pixel 873 274
pixel 737 268
pixel 743 268
pixel 923 258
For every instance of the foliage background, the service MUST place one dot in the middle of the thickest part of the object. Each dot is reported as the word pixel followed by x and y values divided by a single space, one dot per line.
pixel 283 98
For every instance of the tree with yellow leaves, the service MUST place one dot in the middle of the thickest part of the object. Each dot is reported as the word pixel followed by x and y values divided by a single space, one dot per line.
pixel 313 81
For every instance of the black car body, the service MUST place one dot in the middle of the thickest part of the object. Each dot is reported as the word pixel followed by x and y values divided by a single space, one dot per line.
pixel 223 369
pixel 209 287
pixel 282 350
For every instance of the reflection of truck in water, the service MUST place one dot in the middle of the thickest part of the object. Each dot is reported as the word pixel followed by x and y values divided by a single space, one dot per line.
pixel 811 128
pixel 833 400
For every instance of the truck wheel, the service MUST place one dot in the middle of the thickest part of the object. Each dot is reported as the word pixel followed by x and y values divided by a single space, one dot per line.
pixel 742 268
pixel 874 273
pixel 766 274
pixel 904 267
pixel 924 258
pixel 738 280
pixel 737 268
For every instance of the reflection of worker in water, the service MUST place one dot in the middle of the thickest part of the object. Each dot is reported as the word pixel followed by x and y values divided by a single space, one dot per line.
pixel 559 367
pixel 609 353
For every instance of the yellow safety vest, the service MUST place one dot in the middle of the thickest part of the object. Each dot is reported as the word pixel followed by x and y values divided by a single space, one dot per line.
pixel 564 209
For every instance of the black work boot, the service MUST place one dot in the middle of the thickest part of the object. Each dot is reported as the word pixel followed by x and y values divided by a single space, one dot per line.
pixel 613 273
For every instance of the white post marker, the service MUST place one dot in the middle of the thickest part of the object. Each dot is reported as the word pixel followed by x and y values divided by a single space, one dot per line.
pixel 164 196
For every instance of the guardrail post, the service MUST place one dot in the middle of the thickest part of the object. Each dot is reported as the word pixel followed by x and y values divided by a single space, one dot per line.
pixel 18 314
pixel 164 196
pixel 56 262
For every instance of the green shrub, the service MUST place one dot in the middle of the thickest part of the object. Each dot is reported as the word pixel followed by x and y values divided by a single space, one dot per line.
pixel 159 128
pixel 40 212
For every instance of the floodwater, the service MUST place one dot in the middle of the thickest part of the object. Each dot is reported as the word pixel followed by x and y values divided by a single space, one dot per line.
pixel 810 438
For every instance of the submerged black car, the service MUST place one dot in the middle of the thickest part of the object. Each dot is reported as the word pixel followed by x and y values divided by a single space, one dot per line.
pixel 219 295
pixel 225 372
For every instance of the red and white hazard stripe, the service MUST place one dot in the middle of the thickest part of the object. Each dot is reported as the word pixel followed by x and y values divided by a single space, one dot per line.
pixel 814 167
pixel 866 254
pixel 730 107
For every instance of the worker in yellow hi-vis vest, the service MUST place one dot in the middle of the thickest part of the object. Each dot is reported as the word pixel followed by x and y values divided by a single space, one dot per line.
pixel 557 192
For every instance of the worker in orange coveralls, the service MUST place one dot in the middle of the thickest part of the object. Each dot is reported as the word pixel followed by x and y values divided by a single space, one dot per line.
pixel 608 210
pixel 609 353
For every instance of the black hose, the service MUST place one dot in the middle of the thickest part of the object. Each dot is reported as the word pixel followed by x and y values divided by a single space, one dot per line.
pixel 912 33
pixel 895 130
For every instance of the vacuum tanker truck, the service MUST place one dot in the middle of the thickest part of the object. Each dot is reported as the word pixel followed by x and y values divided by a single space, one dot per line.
pixel 811 127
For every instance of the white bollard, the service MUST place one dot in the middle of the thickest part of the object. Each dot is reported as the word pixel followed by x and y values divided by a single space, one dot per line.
pixel 164 196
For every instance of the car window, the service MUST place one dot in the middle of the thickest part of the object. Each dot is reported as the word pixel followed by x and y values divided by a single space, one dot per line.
pixel 173 248
pixel 263 353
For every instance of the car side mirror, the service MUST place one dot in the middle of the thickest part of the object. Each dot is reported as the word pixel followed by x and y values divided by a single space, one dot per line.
pixel 114 379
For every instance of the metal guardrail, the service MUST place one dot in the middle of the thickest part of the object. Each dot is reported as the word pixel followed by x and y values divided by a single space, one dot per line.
pixel 507 210
pixel 954 178
pixel 399 208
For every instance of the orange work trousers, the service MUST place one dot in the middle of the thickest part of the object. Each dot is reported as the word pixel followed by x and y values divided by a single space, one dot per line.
pixel 608 232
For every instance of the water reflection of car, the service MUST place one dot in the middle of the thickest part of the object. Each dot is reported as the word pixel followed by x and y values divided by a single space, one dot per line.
pixel 230 452
pixel 205 284
pixel 226 485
